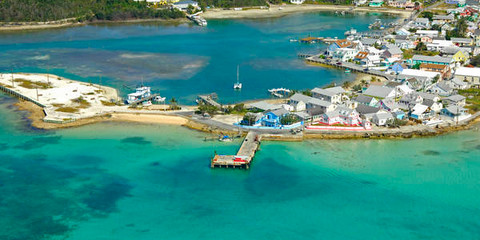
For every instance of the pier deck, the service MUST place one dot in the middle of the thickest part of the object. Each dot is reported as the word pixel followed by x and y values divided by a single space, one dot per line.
pixel 244 156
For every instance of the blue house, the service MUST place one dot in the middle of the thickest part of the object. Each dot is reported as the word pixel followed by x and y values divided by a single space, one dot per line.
pixel 399 115
pixel 397 68
pixel 272 118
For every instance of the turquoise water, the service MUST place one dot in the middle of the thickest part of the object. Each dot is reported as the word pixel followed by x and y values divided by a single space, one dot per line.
pixel 132 181
pixel 129 181
pixel 185 60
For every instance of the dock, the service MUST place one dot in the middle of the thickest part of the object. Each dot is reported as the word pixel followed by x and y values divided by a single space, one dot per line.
pixel 244 156
pixel 209 100
pixel 345 65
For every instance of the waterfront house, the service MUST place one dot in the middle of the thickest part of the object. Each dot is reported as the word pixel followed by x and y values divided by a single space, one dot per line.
pixel 272 118
pixel 262 106
pixel 420 112
pixel 470 75
pixel 301 102
pixel 360 2
pixel 332 95
pixel 433 105
pixel 297 1
pixel 455 112
pixel 441 88
pixel 380 92
pixel 390 105
pixel 419 59
pixel 344 54
pixel 183 5
pixel 381 118
pixel 366 100
pixel 341 116
pixel 407 4
pixel 339 44
pixel 456 99
pixel 360 57
pixel 375 3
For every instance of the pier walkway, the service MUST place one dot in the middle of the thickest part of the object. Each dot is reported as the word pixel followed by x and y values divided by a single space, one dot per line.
pixel 244 156
pixel 345 65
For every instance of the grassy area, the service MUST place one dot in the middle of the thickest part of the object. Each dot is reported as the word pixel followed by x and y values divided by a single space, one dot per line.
pixel 67 109
pixel 32 85
pixel 473 98
pixel 408 53
pixel 82 103
pixel 107 103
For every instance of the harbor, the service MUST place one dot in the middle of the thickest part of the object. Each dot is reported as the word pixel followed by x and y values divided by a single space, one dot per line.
pixel 244 156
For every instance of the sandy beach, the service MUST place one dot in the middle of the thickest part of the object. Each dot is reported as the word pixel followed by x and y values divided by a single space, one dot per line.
pixel 282 10
pixel 148 118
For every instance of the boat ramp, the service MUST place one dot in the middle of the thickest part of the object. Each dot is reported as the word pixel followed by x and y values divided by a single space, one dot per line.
pixel 244 156
pixel 209 99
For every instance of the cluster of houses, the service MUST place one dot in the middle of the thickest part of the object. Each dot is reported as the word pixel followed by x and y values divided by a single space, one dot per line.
pixel 379 104
pixel 421 88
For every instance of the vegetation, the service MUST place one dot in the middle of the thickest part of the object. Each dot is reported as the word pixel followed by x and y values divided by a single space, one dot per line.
pixel 475 61
pixel 408 53
pixel 32 85
pixel 421 46
pixel 427 14
pixel 107 103
pixel 81 10
pixel 248 119
pixel 204 108
pixel 473 98
pixel 232 3
pixel 67 109
pixel 288 119
pixel 237 109
pixel 460 30
pixel 82 103
pixel 395 123
pixel 174 104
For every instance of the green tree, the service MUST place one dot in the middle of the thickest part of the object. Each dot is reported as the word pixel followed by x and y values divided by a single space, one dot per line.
pixel 421 46
pixel 288 119
pixel 428 15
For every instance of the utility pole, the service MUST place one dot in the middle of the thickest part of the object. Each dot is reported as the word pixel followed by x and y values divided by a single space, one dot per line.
pixel 37 94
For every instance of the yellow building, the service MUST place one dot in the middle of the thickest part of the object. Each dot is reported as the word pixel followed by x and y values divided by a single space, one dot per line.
pixel 459 57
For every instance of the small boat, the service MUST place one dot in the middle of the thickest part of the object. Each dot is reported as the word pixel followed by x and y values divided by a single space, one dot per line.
pixel 347 71
pixel 225 138
pixel 237 85
pixel 293 40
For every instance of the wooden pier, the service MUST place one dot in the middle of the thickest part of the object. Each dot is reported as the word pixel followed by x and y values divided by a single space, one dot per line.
pixel 244 156
pixel 345 65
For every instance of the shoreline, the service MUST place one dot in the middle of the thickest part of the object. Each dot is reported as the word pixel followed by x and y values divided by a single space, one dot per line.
pixel 65 23
pixel 283 10
pixel 216 13
pixel 35 115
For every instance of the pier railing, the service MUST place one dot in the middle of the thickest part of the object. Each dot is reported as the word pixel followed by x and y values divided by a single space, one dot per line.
pixel 19 95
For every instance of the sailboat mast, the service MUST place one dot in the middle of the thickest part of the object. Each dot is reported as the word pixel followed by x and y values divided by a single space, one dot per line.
pixel 238 73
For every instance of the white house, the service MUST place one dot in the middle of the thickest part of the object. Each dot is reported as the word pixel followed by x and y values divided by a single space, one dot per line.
pixel 183 5
pixel 297 1
pixel 332 95
pixel 470 75
pixel 382 117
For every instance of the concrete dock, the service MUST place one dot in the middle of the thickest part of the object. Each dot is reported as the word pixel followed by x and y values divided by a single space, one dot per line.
pixel 244 156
